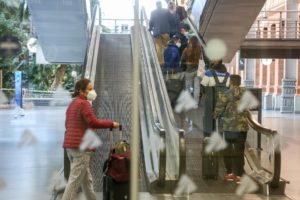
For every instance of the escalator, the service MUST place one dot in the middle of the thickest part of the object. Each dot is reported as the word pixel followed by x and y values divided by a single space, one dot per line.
pixel 113 84
pixel 109 66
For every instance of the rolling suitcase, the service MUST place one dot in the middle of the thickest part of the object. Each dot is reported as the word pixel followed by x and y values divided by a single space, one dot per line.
pixel 210 161
pixel 116 171
pixel 210 164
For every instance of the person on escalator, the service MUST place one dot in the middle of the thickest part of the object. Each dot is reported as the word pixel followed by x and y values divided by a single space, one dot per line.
pixel 215 80
pixel 160 24
pixel 176 20
pixel 235 127
pixel 171 70
pixel 190 60
pixel 172 57
pixel 183 35
pixel 79 118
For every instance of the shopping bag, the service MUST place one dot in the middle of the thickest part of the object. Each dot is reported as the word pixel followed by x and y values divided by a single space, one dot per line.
pixel 201 68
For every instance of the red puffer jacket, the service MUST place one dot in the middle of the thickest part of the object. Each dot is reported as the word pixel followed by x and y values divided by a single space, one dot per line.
pixel 79 118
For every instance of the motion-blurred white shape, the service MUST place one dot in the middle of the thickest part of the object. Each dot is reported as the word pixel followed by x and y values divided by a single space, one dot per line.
pixel 247 186
pixel 3 98
pixel 27 138
pixel 185 102
pixel 2 184
pixel 157 141
pixel 58 182
pixel 248 101
pixel 215 143
pixel 215 49
pixel 185 186
pixel 90 141
pixel 61 97
pixel 19 112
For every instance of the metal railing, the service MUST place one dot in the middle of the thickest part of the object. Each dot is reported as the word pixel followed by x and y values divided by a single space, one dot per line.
pixel 31 94
pixel 121 26
pixel 266 160
pixel 175 143
pixel 275 25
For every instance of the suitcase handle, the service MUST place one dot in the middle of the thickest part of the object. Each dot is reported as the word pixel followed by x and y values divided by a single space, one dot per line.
pixel 111 136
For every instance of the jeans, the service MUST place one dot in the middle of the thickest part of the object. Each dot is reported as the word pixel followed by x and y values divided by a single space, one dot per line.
pixel 192 84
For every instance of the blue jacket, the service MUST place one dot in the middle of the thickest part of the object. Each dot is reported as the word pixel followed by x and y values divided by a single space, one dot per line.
pixel 160 22
pixel 172 57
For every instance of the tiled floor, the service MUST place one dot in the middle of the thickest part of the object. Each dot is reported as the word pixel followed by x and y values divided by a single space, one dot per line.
pixel 26 171
pixel 288 126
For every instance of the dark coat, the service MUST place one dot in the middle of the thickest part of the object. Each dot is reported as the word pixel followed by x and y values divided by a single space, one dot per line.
pixel 160 22
pixel 172 57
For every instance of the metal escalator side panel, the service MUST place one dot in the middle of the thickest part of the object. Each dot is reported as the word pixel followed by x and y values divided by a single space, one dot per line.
pixel 61 27
pixel 113 84
pixel 157 135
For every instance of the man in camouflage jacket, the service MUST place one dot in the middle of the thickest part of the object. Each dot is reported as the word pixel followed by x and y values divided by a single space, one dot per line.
pixel 234 127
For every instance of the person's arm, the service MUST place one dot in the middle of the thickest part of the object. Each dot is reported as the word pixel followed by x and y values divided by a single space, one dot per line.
pixel 151 23
pixel 221 105
pixel 89 116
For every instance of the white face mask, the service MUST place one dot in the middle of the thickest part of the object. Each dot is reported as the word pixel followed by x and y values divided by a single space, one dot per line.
pixel 186 34
pixel 178 45
pixel 91 95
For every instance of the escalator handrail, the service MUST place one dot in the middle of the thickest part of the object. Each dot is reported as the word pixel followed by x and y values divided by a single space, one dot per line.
pixel 156 118
pixel 90 32
pixel 198 34
pixel 155 121
pixel 254 124
pixel 170 111
pixel 182 155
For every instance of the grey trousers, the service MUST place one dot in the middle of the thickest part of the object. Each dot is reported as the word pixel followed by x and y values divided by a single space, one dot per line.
pixel 80 175
pixel 192 83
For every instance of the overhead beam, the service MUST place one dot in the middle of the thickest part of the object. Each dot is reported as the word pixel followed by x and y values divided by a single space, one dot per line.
pixel 270 48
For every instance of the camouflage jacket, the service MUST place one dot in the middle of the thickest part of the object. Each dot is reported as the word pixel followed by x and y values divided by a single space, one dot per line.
pixel 226 107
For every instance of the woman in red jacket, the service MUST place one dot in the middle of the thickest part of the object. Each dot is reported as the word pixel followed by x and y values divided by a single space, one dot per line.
pixel 79 118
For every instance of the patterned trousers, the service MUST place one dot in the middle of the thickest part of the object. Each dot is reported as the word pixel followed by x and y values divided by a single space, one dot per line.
pixel 80 175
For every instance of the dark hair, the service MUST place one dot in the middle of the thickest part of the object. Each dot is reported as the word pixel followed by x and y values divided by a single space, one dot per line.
pixel 235 79
pixel 174 39
pixel 193 49
pixel 80 85
pixel 220 68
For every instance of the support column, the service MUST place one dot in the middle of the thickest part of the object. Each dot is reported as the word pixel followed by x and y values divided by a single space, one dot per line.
pixel 1 79
pixel 249 73
pixel 268 95
pixel 297 95
pixel 277 86
pixel 290 65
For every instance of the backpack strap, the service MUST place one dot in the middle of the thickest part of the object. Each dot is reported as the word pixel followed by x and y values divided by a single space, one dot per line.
pixel 215 76
pixel 225 78
pixel 217 80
